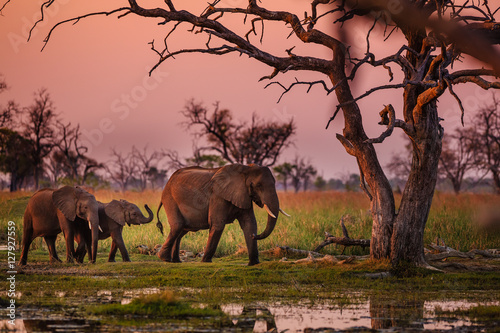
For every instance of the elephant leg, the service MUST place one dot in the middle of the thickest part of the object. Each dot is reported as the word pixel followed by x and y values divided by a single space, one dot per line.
pixel 70 244
pixel 167 248
pixel 177 247
pixel 118 240
pixel 82 237
pixel 213 241
pixel 112 252
pixel 27 239
pixel 51 245
pixel 248 224
pixel 80 252
pixel 88 246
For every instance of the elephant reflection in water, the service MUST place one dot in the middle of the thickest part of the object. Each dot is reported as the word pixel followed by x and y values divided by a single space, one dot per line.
pixel 253 315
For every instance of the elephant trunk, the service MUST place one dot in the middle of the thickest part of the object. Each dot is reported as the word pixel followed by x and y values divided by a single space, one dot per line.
pixel 94 226
pixel 143 219
pixel 272 208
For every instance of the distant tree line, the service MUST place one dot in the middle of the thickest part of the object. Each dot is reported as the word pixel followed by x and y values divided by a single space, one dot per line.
pixel 38 149
pixel 37 146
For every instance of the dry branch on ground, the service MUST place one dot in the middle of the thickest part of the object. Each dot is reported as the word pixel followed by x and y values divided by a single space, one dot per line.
pixel 345 240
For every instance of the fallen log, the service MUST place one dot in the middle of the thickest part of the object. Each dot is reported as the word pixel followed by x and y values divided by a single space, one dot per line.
pixel 445 252
pixel 345 240
pixel 485 253
pixel 301 252
pixel 440 252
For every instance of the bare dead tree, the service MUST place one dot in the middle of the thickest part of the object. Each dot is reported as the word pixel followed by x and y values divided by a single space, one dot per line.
pixel 39 129
pixel 258 142
pixel 400 163
pixel 300 173
pixel 122 168
pixel 484 133
pixel 437 33
pixel 456 158
pixel 71 155
pixel 145 163
pixel 175 162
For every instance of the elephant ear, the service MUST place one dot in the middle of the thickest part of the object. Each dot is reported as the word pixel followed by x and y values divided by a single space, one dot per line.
pixel 65 200
pixel 229 184
pixel 115 210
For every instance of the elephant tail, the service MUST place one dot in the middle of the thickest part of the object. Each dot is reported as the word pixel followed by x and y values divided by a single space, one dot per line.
pixel 158 224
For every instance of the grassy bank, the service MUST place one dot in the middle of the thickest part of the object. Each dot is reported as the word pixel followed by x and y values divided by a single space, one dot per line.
pixel 148 293
pixel 452 218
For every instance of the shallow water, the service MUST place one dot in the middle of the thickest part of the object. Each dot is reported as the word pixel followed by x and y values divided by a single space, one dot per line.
pixel 375 314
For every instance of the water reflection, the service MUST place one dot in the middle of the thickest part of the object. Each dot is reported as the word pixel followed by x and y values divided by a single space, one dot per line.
pixel 49 325
pixel 379 313
pixel 251 317
pixel 407 313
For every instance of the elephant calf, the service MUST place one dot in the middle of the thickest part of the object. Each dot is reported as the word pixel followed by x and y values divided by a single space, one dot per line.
pixel 112 219
pixel 197 198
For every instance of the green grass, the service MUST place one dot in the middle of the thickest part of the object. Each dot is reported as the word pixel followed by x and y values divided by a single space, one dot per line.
pixel 477 313
pixel 161 305
pixel 452 218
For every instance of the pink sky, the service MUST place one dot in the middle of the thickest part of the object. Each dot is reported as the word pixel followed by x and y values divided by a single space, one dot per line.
pixel 96 72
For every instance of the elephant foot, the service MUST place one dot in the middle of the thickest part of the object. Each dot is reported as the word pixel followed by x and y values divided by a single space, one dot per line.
pixel 251 263
pixel 163 256
pixel 22 263
pixel 127 260
pixel 112 260
pixel 55 261
pixel 206 259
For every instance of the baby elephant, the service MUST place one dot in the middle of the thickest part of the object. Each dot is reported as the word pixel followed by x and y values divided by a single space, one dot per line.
pixel 112 219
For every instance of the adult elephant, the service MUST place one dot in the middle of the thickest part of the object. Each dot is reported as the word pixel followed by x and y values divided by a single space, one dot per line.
pixel 51 211
pixel 112 218
pixel 196 198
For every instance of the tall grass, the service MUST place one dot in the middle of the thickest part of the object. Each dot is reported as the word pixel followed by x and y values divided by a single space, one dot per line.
pixel 451 218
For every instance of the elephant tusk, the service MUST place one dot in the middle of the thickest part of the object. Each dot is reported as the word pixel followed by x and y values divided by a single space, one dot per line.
pixel 90 227
pixel 269 211
pixel 284 213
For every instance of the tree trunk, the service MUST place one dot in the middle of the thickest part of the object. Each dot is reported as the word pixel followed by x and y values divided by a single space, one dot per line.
pixel 382 199
pixel 13 182
pixel 36 177
pixel 456 186
pixel 496 180
pixel 409 224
